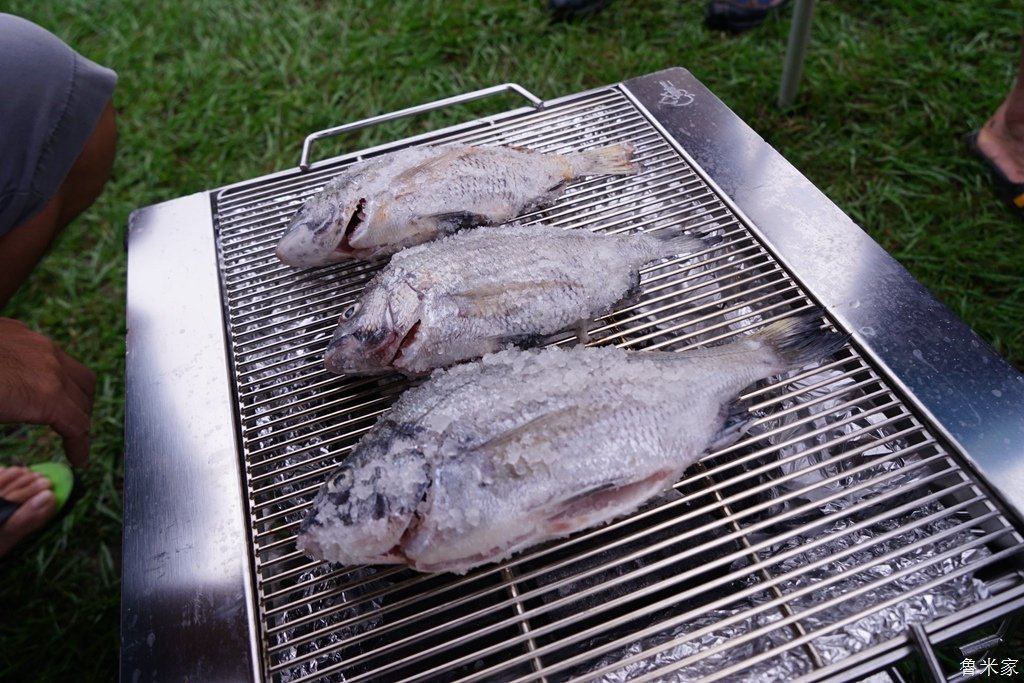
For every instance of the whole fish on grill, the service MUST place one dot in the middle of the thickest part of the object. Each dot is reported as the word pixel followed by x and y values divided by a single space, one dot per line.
pixel 475 292
pixel 490 457
pixel 414 195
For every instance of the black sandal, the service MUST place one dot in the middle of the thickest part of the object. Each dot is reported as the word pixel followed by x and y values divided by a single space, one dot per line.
pixel 567 10
pixel 738 15
pixel 1012 193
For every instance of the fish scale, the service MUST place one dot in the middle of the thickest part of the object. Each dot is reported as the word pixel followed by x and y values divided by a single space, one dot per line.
pixel 384 204
pixel 475 292
pixel 490 457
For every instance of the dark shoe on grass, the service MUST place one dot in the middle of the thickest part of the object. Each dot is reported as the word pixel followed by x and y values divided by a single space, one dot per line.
pixel 567 10
pixel 1010 192
pixel 739 15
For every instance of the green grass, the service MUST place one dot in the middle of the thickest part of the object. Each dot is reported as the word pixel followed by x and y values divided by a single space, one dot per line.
pixel 213 92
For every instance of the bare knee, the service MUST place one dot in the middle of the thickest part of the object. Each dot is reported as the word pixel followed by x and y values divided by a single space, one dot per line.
pixel 22 247
pixel 91 170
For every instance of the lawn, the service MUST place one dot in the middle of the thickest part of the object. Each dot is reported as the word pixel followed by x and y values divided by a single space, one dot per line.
pixel 217 91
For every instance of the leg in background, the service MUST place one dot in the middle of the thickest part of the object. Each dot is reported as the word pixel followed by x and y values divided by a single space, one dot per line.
pixel 1001 139
pixel 23 246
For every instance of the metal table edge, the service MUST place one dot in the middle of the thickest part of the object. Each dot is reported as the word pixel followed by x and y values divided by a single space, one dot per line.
pixel 171 629
pixel 187 590
pixel 970 394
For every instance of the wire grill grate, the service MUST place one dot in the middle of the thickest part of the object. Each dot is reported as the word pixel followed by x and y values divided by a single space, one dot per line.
pixel 838 507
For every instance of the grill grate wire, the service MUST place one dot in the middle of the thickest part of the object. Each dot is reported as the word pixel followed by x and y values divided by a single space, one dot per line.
pixel 746 564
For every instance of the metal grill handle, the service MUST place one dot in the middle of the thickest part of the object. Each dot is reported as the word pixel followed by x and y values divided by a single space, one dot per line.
pixel 919 636
pixel 410 111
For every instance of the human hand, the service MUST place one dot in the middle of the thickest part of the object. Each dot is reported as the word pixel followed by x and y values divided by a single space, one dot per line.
pixel 40 384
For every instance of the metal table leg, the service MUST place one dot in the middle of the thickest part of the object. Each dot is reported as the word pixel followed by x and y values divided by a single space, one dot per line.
pixel 799 34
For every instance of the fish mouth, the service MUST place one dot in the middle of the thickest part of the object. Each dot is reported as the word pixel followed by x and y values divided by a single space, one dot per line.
pixel 346 357
pixel 397 553
pixel 357 218
pixel 408 340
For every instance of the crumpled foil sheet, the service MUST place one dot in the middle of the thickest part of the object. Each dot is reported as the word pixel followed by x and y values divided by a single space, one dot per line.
pixel 360 611
pixel 833 645
pixel 848 559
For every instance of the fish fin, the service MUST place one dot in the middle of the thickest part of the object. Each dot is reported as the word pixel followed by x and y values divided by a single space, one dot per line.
pixel 454 221
pixel 530 340
pixel 549 196
pixel 606 501
pixel 675 241
pixel 501 297
pixel 580 332
pixel 432 163
pixel 546 426
pixel 666 496
pixel 735 418
pixel 583 332
pixel 612 160
pixel 800 340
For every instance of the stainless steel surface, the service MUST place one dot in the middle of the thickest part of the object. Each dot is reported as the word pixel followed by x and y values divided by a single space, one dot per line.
pixel 846 506
pixel 974 397
pixel 187 606
pixel 927 653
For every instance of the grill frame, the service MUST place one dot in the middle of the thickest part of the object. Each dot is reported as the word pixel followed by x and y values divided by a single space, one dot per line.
pixel 162 554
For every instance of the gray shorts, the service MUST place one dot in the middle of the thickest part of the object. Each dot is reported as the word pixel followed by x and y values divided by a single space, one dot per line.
pixel 51 99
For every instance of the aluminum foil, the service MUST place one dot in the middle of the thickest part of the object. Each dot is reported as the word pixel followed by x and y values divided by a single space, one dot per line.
pixel 817 489
pixel 314 655
pixel 676 656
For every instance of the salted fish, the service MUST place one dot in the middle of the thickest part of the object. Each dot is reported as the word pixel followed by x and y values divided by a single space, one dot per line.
pixel 480 290
pixel 490 457
pixel 414 195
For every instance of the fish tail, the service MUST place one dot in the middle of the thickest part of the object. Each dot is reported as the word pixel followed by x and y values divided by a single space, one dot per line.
pixel 801 339
pixel 612 160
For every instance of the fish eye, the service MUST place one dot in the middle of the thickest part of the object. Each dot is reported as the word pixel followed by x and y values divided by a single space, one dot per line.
pixel 341 479
pixel 349 312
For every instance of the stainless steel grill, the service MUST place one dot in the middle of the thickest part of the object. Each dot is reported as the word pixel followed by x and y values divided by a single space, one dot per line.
pixel 847 516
